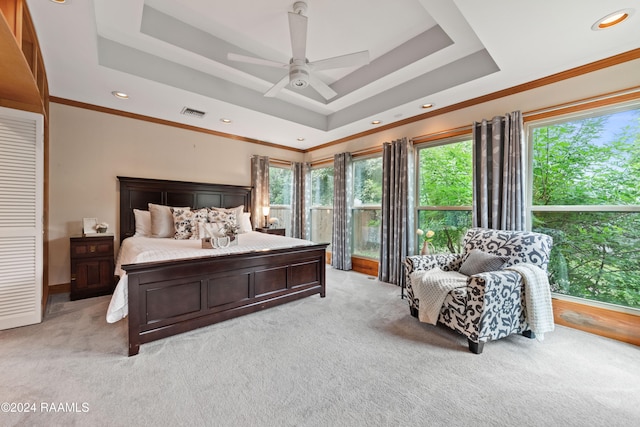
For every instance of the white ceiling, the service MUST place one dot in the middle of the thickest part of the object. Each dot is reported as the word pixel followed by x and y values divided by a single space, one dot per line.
pixel 168 55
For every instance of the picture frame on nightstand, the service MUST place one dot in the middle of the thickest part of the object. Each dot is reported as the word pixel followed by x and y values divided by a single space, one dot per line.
pixel 89 226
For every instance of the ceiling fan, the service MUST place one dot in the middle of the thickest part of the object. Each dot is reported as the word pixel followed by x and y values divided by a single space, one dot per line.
pixel 301 71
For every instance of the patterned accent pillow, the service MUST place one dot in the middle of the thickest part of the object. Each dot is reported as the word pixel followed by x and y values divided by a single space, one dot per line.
pixel 477 262
pixel 222 216
pixel 219 215
pixel 187 221
pixel 242 218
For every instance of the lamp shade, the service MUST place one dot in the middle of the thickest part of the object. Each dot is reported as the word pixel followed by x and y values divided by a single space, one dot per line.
pixel 265 210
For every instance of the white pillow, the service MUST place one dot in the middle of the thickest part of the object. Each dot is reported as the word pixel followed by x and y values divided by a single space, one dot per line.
pixel 162 221
pixel 245 222
pixel 143 223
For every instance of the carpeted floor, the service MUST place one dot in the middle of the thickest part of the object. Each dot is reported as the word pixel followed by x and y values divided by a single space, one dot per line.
pixel 354 358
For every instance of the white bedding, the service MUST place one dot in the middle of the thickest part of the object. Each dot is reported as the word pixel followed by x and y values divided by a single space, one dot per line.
pixel 147 249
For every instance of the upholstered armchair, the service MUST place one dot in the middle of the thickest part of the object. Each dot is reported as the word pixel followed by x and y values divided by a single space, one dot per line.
pixel 491 304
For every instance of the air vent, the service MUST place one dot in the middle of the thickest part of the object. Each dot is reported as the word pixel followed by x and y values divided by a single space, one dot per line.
pixel 192 113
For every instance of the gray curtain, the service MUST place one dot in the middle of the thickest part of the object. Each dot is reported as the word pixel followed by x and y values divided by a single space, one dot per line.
pixel 300 199
pixel 260 192
pixel 342 196
pixel 398 209
pixel 498 168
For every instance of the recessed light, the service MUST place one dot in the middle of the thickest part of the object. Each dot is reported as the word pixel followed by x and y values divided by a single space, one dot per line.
pixel 425 106
pixel 120 95
pixel 300 139
pixel 612 19
pixel 376 122
pixel 227 121
pixel 59 1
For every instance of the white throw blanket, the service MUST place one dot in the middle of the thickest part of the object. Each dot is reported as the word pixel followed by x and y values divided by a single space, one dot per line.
pixel 539 310
pixel 431 288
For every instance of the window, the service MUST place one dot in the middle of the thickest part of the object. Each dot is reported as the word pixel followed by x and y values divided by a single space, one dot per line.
pixel 585 194
pixel 280 191
pixel 367 206
pixel 321 210
pixel 445 193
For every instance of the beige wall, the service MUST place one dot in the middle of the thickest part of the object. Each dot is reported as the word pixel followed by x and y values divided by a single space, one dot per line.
pixel 89 149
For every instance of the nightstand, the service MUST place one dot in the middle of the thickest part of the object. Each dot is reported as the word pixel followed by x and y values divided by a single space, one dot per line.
pixel 92 266
pixel 278 231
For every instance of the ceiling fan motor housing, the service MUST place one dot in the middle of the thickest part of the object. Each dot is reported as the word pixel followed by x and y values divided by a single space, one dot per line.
pixel 299 76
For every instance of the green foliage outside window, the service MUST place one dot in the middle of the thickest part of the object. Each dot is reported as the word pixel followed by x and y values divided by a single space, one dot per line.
pixel 280 180
pixel 367 191
pixel 322 186
pixel 578 167
pixel 445 177
pixel 367 181
pixel 321 212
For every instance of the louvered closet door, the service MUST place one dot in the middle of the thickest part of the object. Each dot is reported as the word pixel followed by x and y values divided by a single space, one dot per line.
pixel 21 195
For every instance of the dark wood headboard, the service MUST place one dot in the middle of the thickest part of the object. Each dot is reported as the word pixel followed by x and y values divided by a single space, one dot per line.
pixel 137 193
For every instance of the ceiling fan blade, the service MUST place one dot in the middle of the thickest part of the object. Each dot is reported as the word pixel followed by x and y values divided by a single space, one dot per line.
pixel 348 60
pixel 298 33
pixel 277 87
pixel 257 61
pixel 322 88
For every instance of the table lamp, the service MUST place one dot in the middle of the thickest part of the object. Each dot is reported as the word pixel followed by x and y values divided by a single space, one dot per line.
pixel 265 212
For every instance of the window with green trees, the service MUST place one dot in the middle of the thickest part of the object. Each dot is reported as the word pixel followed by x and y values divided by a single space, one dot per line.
pixel 445 193
pixel 321 209
pixel 367 206
pixel 280 191
pixel 586 195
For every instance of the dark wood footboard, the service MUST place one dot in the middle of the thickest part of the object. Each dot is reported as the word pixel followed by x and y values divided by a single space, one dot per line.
pixel 168 298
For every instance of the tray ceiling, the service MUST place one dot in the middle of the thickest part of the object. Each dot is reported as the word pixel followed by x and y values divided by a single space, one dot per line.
pixel 168 55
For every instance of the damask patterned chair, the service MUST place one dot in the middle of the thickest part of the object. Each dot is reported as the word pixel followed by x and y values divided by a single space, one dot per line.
pixel 491 305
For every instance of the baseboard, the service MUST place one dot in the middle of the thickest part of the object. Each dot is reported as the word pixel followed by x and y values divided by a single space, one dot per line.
pixel 60 289
pixel 596 320
pixel 365 266
pixel 361 265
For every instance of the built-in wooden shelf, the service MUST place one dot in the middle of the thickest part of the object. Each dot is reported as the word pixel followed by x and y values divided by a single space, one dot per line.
pixel 23 80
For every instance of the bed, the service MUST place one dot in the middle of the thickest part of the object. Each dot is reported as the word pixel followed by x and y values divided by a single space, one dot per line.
pixel 172 296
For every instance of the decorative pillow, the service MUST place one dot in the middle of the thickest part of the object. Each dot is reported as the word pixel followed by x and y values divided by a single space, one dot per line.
pixel 239 210
pixel 245 222
pixel 162 220
pixel 221 215
pixel 143 223
pixel 186 222
pixel 477 261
